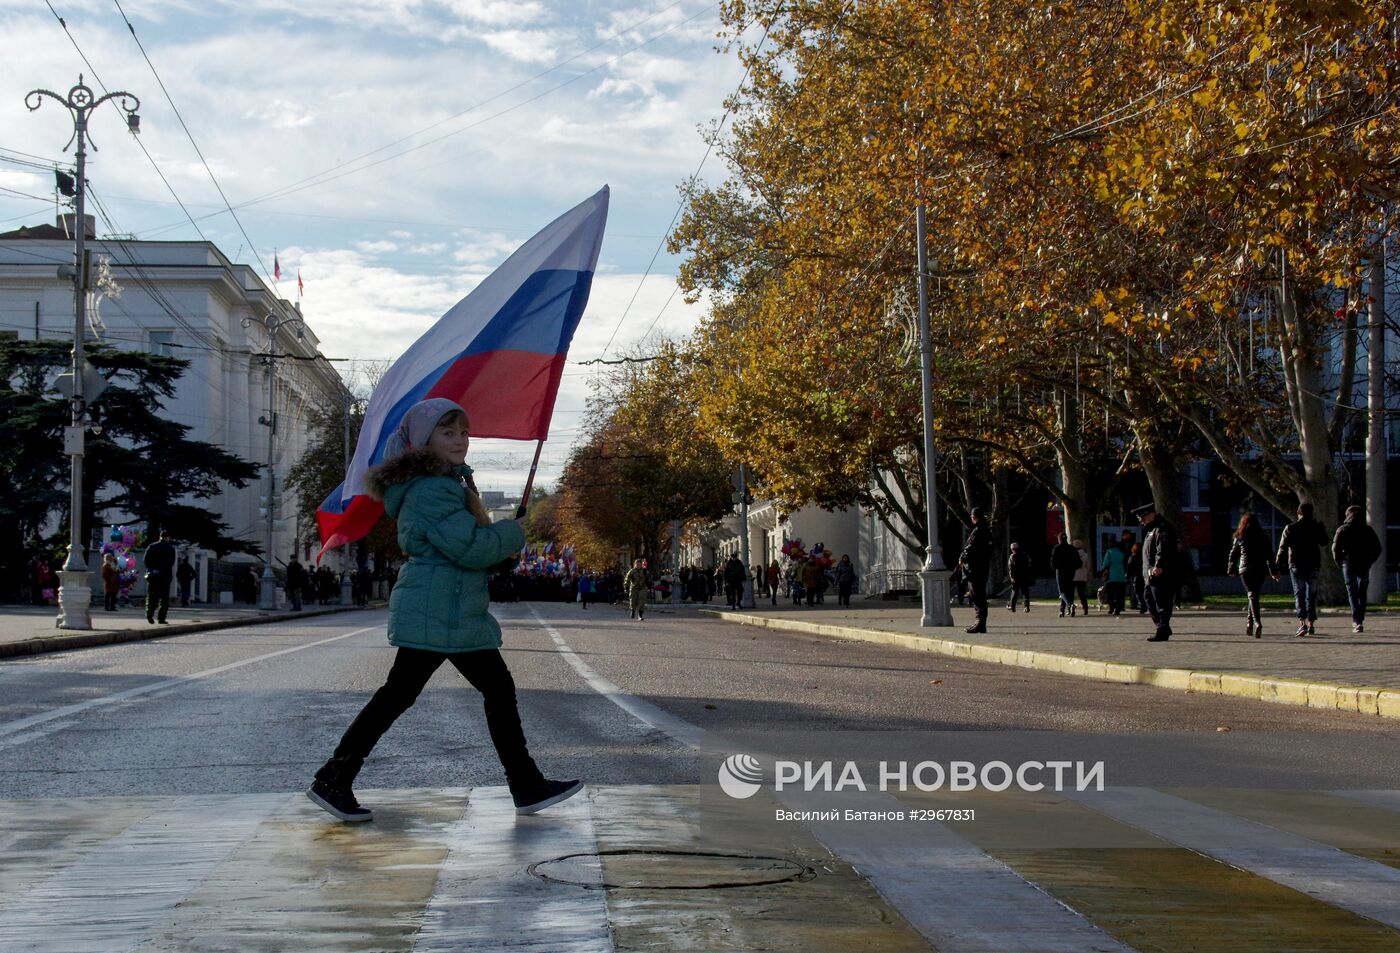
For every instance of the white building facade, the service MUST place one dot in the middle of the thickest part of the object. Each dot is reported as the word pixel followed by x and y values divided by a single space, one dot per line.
pixel 255 366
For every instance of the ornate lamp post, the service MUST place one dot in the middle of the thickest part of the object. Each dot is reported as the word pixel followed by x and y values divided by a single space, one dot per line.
pixel 75 590
pixel 267 585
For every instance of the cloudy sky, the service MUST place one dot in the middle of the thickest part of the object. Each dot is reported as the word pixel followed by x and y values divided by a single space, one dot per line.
pixel 393 151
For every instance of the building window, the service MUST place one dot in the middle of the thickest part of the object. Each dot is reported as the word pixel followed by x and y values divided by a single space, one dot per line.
pixel 161 342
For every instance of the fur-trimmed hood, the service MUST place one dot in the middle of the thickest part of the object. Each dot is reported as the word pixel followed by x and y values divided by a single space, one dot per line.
pixel 407 467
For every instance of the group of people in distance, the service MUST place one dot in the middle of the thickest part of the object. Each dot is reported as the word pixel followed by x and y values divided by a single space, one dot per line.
pixel 1153 568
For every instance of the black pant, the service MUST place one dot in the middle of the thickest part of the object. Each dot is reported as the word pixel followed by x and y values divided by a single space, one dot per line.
pixel 1252 584
pixel 487 673
pixel 110 602
pixel 1020 589
pixel 1081 589
pixel 977 590
pixel 843 593
pixel 1114 592
pixel 157 598
pixel 1161 598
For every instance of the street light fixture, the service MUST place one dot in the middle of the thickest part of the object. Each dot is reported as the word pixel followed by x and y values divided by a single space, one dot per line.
pixel 75 590
pixel 267 585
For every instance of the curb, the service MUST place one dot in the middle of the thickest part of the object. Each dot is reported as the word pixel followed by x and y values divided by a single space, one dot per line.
pixel 86 640
pixel 1364 700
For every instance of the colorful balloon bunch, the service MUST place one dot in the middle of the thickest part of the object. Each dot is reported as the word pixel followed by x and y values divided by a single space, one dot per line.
pixel 122 541
pixel 819 556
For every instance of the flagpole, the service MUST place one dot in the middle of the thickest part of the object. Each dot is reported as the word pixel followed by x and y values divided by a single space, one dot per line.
pixel 529 482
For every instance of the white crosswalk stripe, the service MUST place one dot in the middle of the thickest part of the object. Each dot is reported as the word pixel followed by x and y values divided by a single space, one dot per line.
pixel 486 900
pixel 109 898
pixel 1334 876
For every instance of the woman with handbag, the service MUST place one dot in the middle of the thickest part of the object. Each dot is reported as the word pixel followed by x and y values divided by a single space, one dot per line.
pixel 438 609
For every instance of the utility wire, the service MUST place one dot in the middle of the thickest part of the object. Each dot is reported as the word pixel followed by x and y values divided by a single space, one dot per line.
pixel 323 178
pixel 680 208
pixel 189 135
pixel 155 165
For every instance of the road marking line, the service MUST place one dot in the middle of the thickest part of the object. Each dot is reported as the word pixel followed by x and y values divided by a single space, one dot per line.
pixel 486 900
pixel 958 896
pixel 20 724
pixel 1331 875
pixel 112 896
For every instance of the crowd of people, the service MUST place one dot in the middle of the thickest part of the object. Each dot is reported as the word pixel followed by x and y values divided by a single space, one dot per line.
pixel 1146 576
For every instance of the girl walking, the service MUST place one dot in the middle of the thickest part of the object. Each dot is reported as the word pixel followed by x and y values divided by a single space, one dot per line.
pixel 438 609
pixel 1252 559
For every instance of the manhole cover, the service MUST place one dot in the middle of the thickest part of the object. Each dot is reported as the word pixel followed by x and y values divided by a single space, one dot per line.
pixel 669 870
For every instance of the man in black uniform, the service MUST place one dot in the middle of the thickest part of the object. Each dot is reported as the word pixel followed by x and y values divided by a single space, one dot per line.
pixel 1160 557
pixel 296 581
pixel 975 560
pixel 160 570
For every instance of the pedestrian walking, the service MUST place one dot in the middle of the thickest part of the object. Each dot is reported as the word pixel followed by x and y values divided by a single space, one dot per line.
pixel 184 578
pixel 1137 582
pixel 976 560
pixel 734 576
pixel 775 577
pixel 1081 576
pixel 1064 559
pixel 439 609
pixel 1161 562
pixel 585 590
pixel 296 581
pixel 637 585
pixel 1018 567
pixel 160 572
pixel 1300 549
pixel 811 581
pixel 1114 568
pixel 1252 559
pixel 111 582
pixel 1355 547
pixel 845 580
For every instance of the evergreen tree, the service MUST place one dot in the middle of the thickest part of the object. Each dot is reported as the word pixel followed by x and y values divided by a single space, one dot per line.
pixel 140 465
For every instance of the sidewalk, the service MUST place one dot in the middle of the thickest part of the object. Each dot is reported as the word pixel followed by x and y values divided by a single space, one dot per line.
pixel 30 630
pixel 1208 651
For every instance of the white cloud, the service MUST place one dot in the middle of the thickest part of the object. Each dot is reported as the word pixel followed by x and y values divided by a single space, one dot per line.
pixel 376 248
pixel 527 46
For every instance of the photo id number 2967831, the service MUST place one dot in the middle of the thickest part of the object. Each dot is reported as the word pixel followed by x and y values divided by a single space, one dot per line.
pixel 943 814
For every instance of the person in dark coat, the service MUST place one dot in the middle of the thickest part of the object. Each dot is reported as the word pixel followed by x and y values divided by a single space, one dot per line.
pixel 1137 583
pixel 1300 549
pixel 184 578
pixel 1065 560
pixel 976 560
pixel 296 581
pixel 160 572
pixel 1252 559
pixel 111 582
pixel 845 581
pixel 1161 562
pixel 1018 567
pixel 734 577
pixel 1356 547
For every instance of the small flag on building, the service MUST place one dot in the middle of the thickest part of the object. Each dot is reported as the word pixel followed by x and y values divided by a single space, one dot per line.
pixel 301 288
pixel 276 268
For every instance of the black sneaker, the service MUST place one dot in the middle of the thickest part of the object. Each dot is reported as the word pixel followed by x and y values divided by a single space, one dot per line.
pixel 338 802
pixel 542 795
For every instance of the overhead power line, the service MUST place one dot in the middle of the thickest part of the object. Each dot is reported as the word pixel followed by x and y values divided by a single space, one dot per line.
pixel 189 135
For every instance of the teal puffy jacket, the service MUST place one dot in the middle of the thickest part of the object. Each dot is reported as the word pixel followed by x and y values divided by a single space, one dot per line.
pixel 440 600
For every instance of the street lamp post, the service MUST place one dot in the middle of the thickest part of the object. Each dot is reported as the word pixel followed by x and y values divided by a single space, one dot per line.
pixel 267 585
pixel 933 577
pixel 75 590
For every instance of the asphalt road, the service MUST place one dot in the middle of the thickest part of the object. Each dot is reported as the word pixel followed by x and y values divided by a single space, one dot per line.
pixel 257 709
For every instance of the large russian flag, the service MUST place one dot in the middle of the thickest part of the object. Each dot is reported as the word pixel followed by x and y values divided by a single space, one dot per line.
pixel 499 352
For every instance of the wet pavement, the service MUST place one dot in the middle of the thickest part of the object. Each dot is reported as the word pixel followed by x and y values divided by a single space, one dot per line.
pixel 450 869
pixel 150 799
